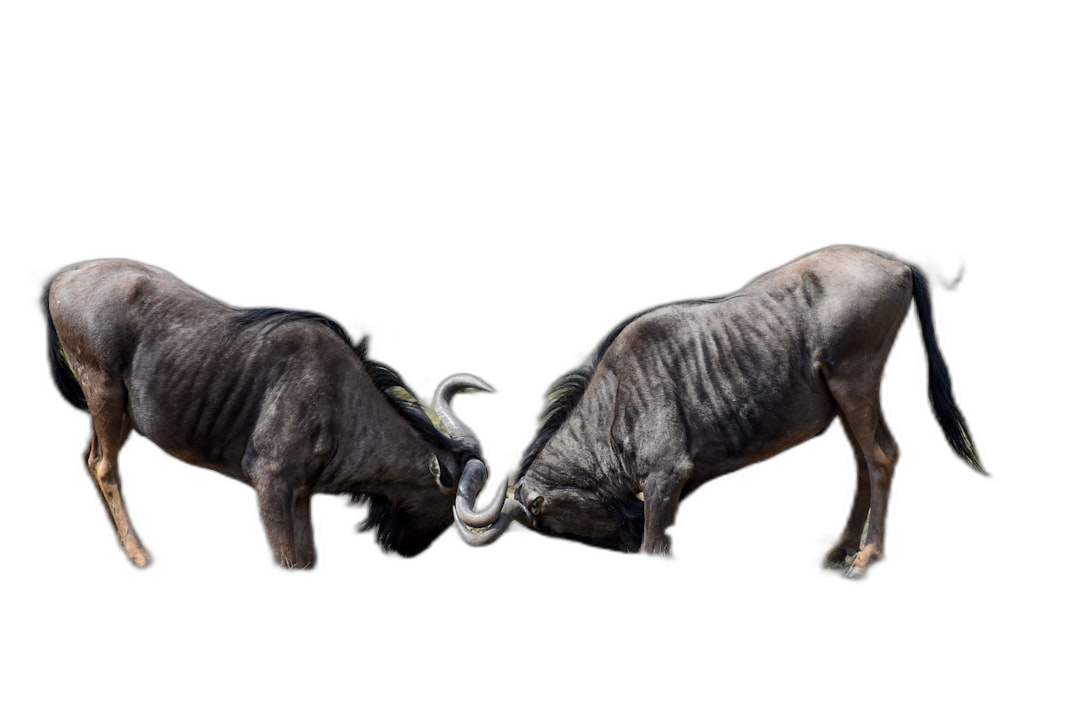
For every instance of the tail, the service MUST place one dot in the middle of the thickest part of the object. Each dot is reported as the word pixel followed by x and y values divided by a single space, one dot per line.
pixel 948 415
pixel 61 370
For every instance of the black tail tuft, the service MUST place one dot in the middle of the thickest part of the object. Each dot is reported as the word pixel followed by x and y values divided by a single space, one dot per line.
pixel 947 413
pixel 61 371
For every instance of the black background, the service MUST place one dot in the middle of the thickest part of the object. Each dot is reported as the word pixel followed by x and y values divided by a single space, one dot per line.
pixel 478 215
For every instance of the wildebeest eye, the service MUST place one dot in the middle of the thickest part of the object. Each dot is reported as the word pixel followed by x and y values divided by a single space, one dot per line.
pixel 536 505
pixel 436 471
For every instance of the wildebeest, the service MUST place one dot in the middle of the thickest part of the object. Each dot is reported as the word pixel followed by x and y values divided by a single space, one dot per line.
pixel 683 393
pixel 281 400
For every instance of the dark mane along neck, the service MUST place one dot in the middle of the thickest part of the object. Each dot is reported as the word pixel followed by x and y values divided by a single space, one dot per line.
pixel 386 379
pixel 564 395
pixel 566 392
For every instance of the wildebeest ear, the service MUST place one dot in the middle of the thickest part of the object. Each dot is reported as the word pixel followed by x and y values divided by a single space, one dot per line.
pixel 536 504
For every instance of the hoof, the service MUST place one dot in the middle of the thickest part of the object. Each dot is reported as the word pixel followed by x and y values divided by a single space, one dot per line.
pixel 139 558
pixel 833 568
pixel 855 573
pixel 838 558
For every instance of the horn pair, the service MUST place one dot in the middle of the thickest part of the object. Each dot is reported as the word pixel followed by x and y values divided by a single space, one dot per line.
pixel 477 527
pixel 484 526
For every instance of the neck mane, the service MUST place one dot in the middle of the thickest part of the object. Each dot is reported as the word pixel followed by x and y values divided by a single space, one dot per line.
pixel 566 392
pixel 386 379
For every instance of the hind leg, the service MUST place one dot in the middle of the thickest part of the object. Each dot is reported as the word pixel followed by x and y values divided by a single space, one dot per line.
pixel 110 429
pixel 848 545
pixel 877 453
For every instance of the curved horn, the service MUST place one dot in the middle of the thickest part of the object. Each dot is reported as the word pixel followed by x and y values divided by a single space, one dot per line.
pixel 511 510
pixel 472 481
pixel 446 391
pixel 486 526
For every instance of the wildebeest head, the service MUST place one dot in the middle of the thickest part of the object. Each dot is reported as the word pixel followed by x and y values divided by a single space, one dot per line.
pixel 559 496
pixel 408 524
pixel 581 511
pixel 568 493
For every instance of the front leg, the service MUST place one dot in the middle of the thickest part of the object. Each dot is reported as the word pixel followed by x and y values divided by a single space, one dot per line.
pixel 286 516
pixel 662 492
